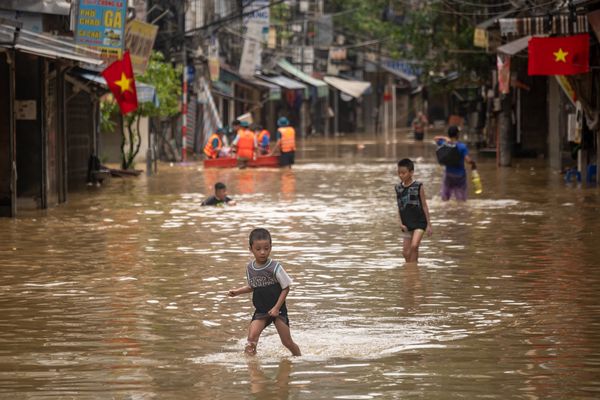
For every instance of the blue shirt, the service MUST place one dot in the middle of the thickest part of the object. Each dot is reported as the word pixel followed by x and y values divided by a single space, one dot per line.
pixel 464 151
pixel 265 142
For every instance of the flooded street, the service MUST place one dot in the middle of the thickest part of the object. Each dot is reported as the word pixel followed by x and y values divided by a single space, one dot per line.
pixel 121 293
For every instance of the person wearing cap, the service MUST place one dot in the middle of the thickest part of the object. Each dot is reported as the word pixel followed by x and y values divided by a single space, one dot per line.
pixel 245 144
pixel 286 142
pixel 455 175
pixel 214 144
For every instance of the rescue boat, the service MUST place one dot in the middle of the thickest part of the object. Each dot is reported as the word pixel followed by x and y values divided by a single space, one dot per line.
pixel 231 162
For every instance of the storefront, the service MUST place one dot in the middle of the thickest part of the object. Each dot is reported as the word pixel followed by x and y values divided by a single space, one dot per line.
pixel 44 152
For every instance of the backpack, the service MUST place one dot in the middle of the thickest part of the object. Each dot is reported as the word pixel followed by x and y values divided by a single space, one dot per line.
pixel 449 155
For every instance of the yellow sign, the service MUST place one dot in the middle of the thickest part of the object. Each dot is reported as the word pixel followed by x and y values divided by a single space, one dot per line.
pixel 567 87
pixel 481 38
pixel 139 40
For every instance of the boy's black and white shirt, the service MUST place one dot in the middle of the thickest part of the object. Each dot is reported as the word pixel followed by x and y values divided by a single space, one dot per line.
pixel 267 282
pixel 269 274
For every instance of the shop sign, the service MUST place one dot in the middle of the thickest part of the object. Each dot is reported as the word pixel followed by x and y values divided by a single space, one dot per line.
pixel 101 25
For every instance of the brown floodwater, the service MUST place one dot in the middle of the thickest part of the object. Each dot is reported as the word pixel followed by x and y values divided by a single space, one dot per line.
pixel 121 293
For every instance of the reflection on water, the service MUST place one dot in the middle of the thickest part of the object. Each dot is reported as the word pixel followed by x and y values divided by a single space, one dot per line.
pixel 122 292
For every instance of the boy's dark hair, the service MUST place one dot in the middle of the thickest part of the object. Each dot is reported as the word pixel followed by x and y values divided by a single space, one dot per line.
pixel 259 234
pixel 236 122
pixel 453 131
pixel 407 163
pixel 220 186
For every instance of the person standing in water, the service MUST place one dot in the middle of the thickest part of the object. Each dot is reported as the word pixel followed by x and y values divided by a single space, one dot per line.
pixel 419 126
pixel 413 209
pixel 286 142
pixel 269 284
pixel 455 174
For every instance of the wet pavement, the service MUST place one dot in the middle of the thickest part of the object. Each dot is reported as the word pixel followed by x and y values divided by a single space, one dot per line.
pixel 121 293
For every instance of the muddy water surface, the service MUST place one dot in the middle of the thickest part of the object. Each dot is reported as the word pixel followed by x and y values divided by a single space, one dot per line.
pixel 121 293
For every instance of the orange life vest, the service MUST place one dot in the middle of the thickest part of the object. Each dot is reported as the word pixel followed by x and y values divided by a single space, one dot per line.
pixel 288 139
pixel 245 144
pixel 260 138
pixel 209 150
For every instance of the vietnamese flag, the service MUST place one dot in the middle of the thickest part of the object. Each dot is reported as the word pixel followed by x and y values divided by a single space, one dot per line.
pixel 121 82
pixel 566 55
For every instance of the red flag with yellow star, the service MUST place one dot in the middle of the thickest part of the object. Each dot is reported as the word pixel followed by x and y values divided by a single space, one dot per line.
pixel 567 55
pixel 121 82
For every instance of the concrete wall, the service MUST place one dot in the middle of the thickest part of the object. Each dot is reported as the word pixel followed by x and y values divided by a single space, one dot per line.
pixel 110 146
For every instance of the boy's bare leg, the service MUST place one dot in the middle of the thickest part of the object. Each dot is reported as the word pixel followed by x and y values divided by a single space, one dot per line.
pixel 286 337
pixel 414 244
pixel 406 248
pixel 254 330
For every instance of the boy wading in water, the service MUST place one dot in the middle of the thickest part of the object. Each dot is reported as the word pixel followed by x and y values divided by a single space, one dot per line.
pixel 270 285
pixel 414 213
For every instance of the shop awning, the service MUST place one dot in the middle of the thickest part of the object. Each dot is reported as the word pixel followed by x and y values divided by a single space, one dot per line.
pixel 222 89
pixel 322 88
pixel 284 82
pixel 47 46
pixel 514 47
pixel 411 79
pixel 229 75
pixel 352 88
pixel 145 93
pixel 274 90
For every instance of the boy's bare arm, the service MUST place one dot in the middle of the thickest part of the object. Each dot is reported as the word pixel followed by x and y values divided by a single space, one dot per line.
pixel 238 291
pixel 273 312
pixel 441 137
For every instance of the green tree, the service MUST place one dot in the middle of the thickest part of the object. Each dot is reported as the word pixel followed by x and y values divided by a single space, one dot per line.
pixel 166 79
pixel 436 34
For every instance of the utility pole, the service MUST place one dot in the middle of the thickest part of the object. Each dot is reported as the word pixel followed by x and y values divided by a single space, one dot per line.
pixel 184 102
pixel 378 93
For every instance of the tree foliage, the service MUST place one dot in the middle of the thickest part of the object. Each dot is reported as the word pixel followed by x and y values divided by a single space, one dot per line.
pixel 166 80
pixel 438 35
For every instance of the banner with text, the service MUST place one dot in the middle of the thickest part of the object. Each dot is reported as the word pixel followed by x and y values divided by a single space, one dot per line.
pixel 101 25
pixel 139 40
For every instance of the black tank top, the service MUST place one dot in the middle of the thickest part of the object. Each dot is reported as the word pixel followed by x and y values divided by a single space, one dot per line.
pixel 410 207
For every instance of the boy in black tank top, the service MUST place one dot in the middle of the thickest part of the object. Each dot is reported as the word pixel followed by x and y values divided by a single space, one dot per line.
pixel 269 284
pixel 414 213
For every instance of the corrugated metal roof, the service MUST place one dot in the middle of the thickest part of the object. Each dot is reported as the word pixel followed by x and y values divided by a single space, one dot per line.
pixel 48 46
